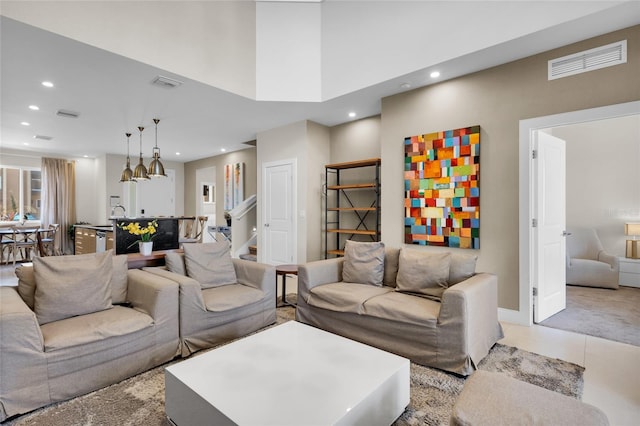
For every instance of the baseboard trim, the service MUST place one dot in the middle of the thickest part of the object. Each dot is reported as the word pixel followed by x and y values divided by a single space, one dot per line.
pixel 513 317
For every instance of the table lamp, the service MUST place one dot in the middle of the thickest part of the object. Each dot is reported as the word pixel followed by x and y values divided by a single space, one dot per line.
pixel 633 245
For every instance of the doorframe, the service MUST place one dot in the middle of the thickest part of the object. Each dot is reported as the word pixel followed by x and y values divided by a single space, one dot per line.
pixel 294 206
pixel 524 314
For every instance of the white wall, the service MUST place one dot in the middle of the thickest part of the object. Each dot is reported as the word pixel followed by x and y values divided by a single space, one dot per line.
pixel 288 60
pixel 603 177
pixel 208 41
pixel 319 150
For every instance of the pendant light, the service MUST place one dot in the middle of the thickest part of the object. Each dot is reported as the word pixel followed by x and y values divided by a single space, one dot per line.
pixel 127 173
pixel 156 169
pixel 140 172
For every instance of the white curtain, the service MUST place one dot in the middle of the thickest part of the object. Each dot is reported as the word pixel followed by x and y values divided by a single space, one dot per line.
pixel 59 198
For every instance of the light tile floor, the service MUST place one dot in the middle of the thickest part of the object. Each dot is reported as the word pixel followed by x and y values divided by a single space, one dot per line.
pixel 612 369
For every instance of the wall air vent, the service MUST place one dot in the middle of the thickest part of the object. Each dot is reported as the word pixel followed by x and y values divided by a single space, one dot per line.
pixel 589 60
pixel 43 137
pixel 166 82
pixel 67 113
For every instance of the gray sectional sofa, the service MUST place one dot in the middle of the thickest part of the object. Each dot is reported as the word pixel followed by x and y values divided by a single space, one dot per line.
pixel 453 333
pixel 79 323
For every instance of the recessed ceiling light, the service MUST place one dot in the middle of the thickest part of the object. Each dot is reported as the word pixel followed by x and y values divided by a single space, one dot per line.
pixel 223 150
pixel 352 114
pixel 177 153
pixel 85 156
pixel 47 84
pixel 34 107
pixel 405 85
pixel 435 74
pixel 26 143
pixel 24 123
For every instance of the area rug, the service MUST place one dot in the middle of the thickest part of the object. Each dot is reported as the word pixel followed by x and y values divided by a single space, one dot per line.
pixel 601 312
pixel 140 400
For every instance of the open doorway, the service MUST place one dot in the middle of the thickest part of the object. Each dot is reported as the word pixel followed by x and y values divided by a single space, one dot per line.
pixel 206 196
pixel 528 128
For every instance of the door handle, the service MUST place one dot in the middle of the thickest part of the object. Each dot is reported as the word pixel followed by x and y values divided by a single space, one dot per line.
pixel 266 225
pixel 565 233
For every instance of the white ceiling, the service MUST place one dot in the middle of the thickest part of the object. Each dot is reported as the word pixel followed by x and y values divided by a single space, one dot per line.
pixel 113 94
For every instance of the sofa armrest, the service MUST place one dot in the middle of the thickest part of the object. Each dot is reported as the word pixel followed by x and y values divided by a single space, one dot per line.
pixel 471 307
pixel 610 259
pixel 313 274
pixel 190 289
pixel 257 275
pixel 23 366
pixel 152 294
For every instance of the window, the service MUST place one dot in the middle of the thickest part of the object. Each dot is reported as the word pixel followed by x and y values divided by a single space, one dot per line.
pixel 20 190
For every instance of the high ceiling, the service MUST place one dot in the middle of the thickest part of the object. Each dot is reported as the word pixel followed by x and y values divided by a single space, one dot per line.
pixel 113 94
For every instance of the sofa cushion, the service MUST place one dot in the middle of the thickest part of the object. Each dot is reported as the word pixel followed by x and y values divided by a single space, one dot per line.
pixel 228 297
pixel 210 264
pixel 405 308
pixel 175 263
pixel 391 258
pixel 26 284
pixel 423 272
pixel 67 286
pixel 93 327
pixel 462 267
pixel 119 279
pixel 344 297
pixel 363 262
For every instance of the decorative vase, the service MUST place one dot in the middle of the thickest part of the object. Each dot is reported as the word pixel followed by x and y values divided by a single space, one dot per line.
pixel 145 247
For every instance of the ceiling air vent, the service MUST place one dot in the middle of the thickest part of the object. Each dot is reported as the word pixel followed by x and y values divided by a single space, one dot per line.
pixel 166 82
pixel 67 113
pixel 589 60
pixel 43 137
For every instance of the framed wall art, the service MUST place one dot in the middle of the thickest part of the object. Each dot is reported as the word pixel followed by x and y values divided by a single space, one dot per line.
pixel 442 191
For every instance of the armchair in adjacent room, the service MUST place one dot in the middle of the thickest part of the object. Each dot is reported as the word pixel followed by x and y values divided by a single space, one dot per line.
pixel 587 262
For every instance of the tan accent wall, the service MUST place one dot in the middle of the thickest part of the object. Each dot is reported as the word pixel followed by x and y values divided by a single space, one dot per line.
pixel 497 99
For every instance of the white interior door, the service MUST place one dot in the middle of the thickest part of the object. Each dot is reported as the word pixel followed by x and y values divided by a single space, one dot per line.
pixel 156 196
pixel 549 234
pixel 278 217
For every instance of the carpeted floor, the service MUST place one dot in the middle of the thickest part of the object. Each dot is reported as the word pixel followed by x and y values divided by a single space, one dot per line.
pixel 601 312
pixel 140 400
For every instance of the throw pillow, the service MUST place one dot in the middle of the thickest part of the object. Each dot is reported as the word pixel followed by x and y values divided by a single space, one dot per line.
pixel 463 266
pixel 26 284
pixel 391 257
pixel 175 263
pixel 210 264
pixel 423 272
pixel 119 279
pixel 363 262
pixel 68 286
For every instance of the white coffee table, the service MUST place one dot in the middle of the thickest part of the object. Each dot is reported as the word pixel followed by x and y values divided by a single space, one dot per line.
pixel 291 374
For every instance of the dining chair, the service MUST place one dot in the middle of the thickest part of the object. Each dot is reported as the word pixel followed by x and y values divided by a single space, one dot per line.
pixel 195 230
pixel 186 228
pixel 7 242
pixel 48 240
pixel 26 241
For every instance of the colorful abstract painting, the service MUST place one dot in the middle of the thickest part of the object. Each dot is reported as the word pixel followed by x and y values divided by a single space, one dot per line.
pixel 442 192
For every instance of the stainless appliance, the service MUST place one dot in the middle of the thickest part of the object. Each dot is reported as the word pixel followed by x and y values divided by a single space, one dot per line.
pixel 101 241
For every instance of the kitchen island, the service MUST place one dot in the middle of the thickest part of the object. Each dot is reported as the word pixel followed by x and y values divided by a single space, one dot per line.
pixel 97 238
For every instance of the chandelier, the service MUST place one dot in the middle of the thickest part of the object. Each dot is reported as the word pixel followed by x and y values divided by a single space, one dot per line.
pixel 127 173
pixel 140 172
pixel 156 169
